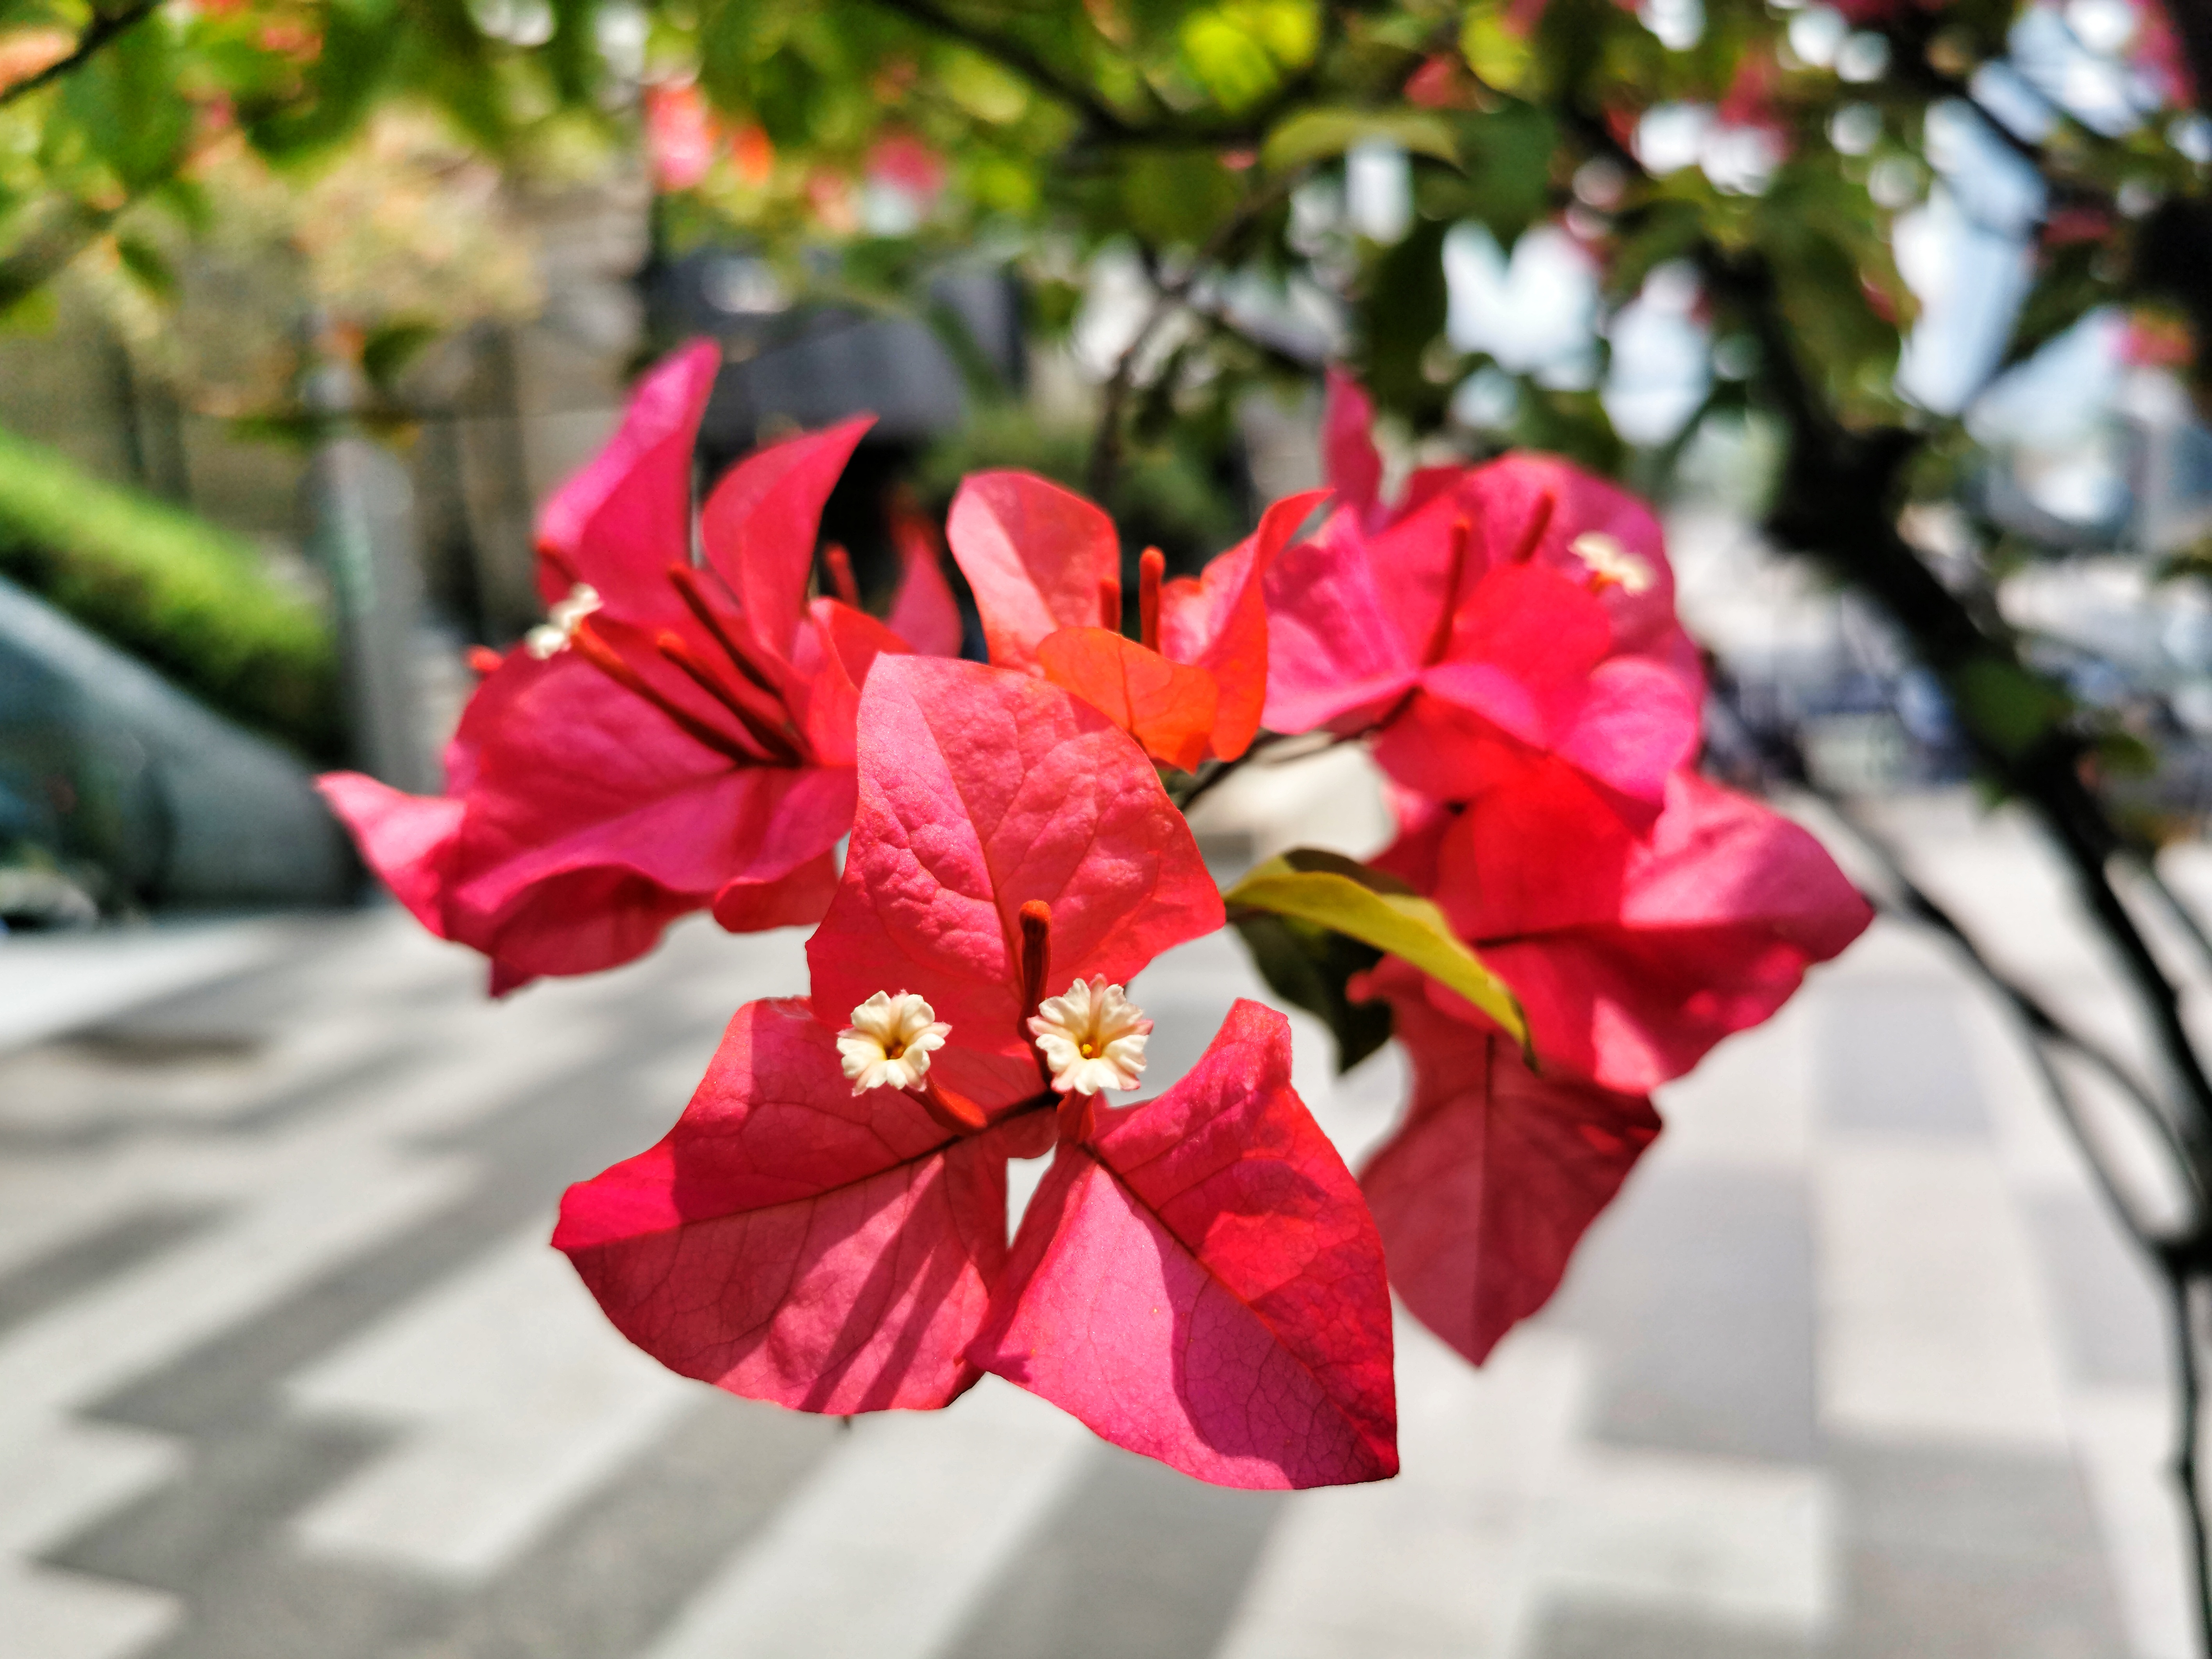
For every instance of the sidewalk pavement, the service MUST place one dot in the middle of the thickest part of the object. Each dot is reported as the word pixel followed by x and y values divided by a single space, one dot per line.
pixel 1856 1367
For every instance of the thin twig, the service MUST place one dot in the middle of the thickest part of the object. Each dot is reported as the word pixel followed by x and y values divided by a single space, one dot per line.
pixel 2188 1450
pixel 2176 908
pixel 97 34
pixel 1106 445
pixel 60 233
pixel 1780 754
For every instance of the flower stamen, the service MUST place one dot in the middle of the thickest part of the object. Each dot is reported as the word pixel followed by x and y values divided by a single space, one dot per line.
pixel 1611 565
pixel 1152 569
pixel 551 637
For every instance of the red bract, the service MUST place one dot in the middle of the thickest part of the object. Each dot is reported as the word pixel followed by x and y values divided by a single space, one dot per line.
pixel 1045 566
pixel 1521 609
pixel 1198 1281
pixel 1632 955
pixel 676 737
pixel 924 615
pixel 1483 1193
pixel 793 1240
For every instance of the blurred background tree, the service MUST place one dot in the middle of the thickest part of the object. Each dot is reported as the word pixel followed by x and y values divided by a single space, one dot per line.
pixel 1920 287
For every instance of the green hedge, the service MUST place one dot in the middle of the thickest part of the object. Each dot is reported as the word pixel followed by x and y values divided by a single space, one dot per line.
pixel 188 600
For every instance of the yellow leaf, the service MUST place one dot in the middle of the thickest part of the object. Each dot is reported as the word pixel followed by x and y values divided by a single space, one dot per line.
pixel 1313 134
pixel 1335 892
pixel 1497 52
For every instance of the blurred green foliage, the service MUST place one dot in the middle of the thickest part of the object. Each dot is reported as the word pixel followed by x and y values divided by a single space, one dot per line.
pixel 1209 133
pixel 858 145
pixel 1182 496
pixel 166 586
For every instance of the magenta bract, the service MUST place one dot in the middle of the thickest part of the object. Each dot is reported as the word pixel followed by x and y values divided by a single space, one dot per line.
pixel 794 1242
pixel 679 738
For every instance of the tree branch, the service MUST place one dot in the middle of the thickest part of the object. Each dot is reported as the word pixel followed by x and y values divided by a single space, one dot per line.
pixel 1835 503
pixel 63 232
pixel 1780 757
pixel 97 34
pixel 1106 445
pixel 1030 65
pixel 1161 125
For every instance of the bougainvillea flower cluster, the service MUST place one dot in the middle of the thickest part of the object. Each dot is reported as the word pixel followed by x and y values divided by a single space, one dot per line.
pixel 1198 1276
pixel 678 735
pixel 1639 912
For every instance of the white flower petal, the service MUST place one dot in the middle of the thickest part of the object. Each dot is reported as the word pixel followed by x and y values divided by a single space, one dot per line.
pixel 889 1042
pixel 1092 1036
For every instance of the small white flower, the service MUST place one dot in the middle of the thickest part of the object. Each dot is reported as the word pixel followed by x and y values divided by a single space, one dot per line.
pixel 1093 1037
pixel 1614 565
pixel 551 638
pixel 888 1043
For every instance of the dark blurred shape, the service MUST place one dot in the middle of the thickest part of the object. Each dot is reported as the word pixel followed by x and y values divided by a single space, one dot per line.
pixel 795 364
pixel 112 777
pixel 805 363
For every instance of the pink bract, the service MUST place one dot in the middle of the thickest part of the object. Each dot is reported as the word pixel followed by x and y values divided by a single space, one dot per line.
pixel 1632 955
pixel 1496 1173
pixel 688 743
pixel 791 1242
pixel 1200 1282
pixel 982 790
pixel 1518 609
pixel 788 1242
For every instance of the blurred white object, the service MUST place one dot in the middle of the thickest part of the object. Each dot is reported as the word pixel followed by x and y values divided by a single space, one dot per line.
pixel 1535 314
pixel 1378 191
pixel 1967 255
pixel 1815 34
pixel 1487 399
pixel 2072 57
pixel 1115 303
pixel 1333 800
pixel 1661 368
pixel 1670 137
pixel 1679 24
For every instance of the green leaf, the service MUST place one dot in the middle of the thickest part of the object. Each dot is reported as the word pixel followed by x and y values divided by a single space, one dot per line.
pixel 1333 892
pixel 392 346
pixel 1177 196
pixel 1312 967
pixel 1496 48
pixel 125 102
pixel 148 264
pixel 1228 59
pixel 2009 707
pixel 1313 134
pixel 1402 307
